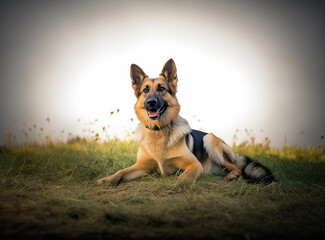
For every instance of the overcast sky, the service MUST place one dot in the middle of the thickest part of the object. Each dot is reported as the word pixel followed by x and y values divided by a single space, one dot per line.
pixel 241 64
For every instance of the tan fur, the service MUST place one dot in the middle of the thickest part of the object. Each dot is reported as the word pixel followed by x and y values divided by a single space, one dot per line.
pixel 222 154
pixel 165 151
pixel 168 116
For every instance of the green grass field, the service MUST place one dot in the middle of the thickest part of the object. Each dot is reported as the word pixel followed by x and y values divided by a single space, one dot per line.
pixel 50 192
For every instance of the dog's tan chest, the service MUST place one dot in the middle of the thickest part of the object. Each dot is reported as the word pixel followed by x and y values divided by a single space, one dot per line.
pixel 164 146
pixel 155 146
pixel 158 149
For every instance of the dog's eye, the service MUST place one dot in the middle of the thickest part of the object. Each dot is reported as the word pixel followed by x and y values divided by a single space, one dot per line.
pixel 146 90
pixel 161 89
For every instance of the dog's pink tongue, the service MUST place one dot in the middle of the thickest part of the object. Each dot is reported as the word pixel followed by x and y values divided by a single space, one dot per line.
pixel 153 113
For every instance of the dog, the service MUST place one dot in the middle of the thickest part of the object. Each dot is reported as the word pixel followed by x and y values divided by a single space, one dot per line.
pixel 167 143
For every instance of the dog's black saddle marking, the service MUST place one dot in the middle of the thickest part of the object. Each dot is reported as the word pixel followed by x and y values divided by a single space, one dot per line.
pixel 198 147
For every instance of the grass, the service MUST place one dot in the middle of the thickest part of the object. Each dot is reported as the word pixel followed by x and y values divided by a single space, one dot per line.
pixel 50 192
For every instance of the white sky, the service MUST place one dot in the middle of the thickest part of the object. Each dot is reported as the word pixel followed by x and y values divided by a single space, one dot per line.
pixel 237 67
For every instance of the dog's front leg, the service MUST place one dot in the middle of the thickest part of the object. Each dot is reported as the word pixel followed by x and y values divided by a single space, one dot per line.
pixel 191 166
pixel 126 174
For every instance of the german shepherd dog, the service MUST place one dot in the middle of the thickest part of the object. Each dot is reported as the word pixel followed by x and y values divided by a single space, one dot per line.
pixel 168 144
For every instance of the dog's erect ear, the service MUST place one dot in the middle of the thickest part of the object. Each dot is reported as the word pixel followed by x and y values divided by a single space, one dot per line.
pixel 137 76
pixel 170 73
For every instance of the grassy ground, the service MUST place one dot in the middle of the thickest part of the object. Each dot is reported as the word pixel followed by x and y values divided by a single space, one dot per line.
pixel 50 192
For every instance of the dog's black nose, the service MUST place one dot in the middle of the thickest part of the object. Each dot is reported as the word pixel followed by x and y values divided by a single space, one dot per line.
pixel 151 102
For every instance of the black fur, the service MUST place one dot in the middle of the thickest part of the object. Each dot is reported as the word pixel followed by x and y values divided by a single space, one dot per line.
pixel 198 148
pixel 255 172
pixel 252 172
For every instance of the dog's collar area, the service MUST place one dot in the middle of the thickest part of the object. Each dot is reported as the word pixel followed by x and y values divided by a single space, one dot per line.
pixel 156 128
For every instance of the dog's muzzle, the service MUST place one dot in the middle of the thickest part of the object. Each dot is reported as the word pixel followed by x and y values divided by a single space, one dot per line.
pixel 154 108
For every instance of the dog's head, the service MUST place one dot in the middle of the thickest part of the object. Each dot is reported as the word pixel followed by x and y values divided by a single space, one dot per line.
pixel 156 104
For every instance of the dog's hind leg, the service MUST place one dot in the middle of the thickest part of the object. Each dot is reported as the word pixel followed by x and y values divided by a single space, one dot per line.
pixel 222 155
pixel 234 171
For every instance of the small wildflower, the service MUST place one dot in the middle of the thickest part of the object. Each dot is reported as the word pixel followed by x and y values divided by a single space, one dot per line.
pixel 34 126
pixel 112 113
pixel 132 119
pixel 41 129
pixel 96 136
pixel 62 131
pixel 118 110
pixel 246 131
pixel 253 141
pixel 104 128
pixel 48 119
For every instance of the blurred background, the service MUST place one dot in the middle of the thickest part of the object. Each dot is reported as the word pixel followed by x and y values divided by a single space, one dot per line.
pixel 243 66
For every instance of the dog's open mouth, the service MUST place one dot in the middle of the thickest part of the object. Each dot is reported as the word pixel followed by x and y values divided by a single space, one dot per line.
pixel 154 113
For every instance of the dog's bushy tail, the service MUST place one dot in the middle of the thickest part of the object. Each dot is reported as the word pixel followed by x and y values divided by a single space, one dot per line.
pixel 255 172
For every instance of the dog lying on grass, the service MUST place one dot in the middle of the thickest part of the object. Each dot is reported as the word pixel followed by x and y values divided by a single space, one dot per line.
pixel 167 143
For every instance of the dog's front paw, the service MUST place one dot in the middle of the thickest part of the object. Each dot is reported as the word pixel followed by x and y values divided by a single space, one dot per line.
pixel 113 180
pixel 100 181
